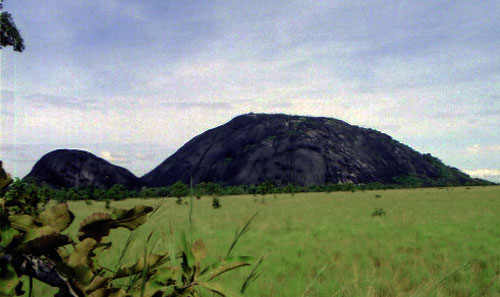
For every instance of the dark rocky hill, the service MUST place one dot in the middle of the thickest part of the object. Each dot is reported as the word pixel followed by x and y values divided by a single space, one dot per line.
pixel 284 149
pixel 75 168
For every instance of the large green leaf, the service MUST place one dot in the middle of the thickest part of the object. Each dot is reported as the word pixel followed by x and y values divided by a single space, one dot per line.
pixel 22 222
pixel 7 234
pixel 132 218
pixel 165 275
pixel 39 232
pixel 80 260
pixel 95 226
pixel 58 217
pixel 49 222
pixel 8 280
pixel 43 245
pixel 98 225
pixel 151 261
pixel 97 283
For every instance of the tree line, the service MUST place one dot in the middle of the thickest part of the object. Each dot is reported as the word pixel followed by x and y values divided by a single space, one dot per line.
pixel 45 192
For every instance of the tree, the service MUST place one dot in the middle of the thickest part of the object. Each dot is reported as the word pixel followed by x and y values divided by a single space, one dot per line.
pixel 117 192
pixel 213 189
pixel 9 34
pixel 264 188
pixel 179 190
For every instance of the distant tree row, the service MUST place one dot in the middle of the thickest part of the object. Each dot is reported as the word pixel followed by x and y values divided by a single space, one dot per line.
pixel 179 190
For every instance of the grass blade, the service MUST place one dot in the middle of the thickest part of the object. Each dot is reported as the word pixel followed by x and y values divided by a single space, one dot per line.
pixel 144 275
pixel 252 276
pixel 311 283
pixel 238 235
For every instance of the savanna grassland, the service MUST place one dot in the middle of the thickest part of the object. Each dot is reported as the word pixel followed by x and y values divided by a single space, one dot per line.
pixel 430 242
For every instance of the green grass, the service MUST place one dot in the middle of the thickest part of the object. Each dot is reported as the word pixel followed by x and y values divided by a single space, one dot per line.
pixel 431 242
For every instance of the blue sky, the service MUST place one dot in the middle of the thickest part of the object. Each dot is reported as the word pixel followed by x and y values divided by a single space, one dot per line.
pixel 132 81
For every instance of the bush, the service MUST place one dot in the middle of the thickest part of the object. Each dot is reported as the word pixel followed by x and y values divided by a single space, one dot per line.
pixel 24 195
pixel 108 203
pixel 378 212
pixel 216 203
pixel 266 187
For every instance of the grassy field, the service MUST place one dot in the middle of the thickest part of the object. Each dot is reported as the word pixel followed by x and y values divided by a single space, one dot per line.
pixel 431 242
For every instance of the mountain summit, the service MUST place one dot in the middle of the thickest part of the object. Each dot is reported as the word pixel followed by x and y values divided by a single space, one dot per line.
pixel 76 168
pixel 299 150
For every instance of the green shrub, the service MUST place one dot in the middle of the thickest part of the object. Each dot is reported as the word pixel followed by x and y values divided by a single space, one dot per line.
pixel 107 203
pixel 213 189
pixel 216 203
pixel 378 212
pixel 265 188
pixel 23 197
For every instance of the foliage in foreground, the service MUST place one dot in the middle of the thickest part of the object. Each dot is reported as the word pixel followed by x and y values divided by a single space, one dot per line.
pixel 32 244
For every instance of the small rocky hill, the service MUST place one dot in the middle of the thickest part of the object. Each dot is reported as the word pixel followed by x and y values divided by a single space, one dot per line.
pixel 298 150
pixel 75 168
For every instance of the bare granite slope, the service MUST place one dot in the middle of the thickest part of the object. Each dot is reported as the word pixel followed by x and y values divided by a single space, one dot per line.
pixel 284 149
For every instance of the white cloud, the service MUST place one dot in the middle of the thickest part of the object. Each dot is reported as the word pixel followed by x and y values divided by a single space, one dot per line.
pixel 113 157
pixel 491 174
pixel 483 149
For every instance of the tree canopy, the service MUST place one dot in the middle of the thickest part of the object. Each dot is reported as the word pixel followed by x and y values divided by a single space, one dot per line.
pixel 9 34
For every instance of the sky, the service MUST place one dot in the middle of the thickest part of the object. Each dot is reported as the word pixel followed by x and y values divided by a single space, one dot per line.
pixel 132 81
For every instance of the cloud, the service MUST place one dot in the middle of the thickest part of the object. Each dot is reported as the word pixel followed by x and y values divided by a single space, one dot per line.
pixel 489 174
pixel 281 105
pixel 114 157
pixel 492 112
pixel 483 149
pixel 143 156
pixel 47 101
pixel 200 104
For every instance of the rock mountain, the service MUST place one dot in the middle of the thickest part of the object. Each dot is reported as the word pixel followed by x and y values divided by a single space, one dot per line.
pixel 76 168
pixel 285 149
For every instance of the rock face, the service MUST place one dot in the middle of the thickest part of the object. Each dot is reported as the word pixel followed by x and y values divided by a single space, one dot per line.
pixel 284 149
pixel 75 168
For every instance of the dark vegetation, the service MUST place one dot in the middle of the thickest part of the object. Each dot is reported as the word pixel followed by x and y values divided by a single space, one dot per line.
pixel 179 190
